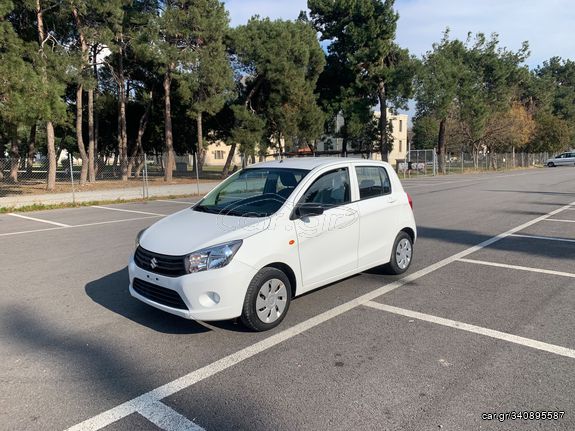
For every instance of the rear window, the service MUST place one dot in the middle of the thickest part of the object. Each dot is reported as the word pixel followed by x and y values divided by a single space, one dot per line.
pixel 373 181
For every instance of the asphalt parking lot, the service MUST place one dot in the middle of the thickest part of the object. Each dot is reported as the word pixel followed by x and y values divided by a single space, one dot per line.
pixel 482 326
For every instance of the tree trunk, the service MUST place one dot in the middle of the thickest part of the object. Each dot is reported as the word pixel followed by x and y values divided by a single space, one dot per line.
pixel 52 162
pixel 201 154
pixel 170 162
pixel 91 141
pixel 226 170
pixel 79 134
pixel 31 149
pixel 94 115
pixel 50 144
pixel 383 138
pixel 122 130
pixel 139 149
pixel 441 146
pixel 79 101
pixel 14 154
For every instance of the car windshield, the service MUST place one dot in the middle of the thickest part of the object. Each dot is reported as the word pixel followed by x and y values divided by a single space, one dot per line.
pixel 252 192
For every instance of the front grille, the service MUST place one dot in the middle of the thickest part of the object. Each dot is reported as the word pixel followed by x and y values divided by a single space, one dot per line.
pixel 170 266
pixel 161 295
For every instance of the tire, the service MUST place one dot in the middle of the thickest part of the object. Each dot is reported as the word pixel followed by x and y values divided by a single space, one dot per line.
pixel 551 165
pixel 401 255
pixel 267 300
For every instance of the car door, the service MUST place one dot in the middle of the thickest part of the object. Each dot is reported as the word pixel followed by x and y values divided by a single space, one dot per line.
pixel 327 242
pixel 380 213
pixel 570 159
pixel 562 159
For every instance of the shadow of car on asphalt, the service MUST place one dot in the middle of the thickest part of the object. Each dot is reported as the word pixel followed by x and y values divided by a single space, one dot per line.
pixel 111 292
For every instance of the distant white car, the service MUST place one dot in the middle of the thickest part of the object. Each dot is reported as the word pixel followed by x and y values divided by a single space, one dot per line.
pixel 271 232
pixel 563 159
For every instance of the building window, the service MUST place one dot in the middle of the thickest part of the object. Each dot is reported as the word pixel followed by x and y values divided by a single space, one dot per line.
pixel 401 125
pixel 400 144
pixel 218 155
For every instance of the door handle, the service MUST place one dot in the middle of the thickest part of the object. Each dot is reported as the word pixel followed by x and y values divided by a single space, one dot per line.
pixel 391 199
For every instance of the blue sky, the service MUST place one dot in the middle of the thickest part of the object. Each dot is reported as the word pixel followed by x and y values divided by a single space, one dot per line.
pixel 547 25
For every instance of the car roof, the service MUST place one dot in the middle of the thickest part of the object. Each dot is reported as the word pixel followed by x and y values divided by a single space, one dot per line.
pixel 310 163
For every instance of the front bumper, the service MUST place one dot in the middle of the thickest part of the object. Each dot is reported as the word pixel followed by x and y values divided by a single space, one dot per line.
pixel 217 294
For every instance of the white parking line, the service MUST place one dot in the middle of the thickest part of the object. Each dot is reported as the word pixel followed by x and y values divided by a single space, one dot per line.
pixel 128 211
pixel 167 418
pixel 560 220
pixel 110 416
pixel 548 238
pixel 38 220
pixel 79 225
pixel 520 268
pixel 528 342
pixel 177 202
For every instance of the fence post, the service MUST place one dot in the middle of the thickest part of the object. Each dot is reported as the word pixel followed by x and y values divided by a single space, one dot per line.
pixel 72 178
pixel 434 158
pixel 197 172
pixel 145 174
pixel 462 163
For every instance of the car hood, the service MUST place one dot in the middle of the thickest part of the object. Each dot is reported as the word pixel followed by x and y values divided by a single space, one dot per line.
pixel 188 230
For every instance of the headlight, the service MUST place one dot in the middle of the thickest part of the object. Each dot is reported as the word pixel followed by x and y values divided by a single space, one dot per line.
pixel 214 257
pixel 139 236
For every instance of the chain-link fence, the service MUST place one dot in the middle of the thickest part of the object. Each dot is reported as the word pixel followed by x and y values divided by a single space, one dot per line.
pixel 24 181
pixel 468 162
pixel 425 162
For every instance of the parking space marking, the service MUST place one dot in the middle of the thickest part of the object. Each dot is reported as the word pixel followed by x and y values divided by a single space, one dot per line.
pixel 79 225
pixel 504 336
pixel 560 220
pixel 176 202
pixel 128 211
pixel 548 238
pixel 116 413
pixel 520 268
pixel 39 220
pixel 166 418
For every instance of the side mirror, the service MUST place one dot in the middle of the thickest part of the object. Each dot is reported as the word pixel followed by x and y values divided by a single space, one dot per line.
pixel 307 210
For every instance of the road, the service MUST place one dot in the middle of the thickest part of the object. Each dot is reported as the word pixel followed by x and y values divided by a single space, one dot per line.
pixel 483 323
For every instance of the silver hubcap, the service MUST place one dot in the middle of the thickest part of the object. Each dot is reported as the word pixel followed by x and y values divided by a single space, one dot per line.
pixel 403 253
pixel 271 301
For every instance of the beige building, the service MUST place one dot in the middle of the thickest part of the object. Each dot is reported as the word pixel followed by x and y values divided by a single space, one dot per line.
pixel 399 133
pixel 217 154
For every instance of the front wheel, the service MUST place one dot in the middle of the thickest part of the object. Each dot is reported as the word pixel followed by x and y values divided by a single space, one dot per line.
pixel 401 255
pixel 551 165
pixel 267 300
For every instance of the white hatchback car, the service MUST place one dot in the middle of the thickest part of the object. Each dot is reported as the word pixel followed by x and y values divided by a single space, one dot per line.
pixel 271 232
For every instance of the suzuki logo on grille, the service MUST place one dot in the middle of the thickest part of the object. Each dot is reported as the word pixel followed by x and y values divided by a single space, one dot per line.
pixel 153 263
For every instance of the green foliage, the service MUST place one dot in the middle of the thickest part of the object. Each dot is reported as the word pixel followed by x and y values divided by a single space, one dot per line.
pixel 425 130
pixel 552 133
pixel 279 63
pixel 370 67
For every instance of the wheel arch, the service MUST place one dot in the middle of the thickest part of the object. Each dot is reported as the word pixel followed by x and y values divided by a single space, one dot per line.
pixel 410 232
pixel 288 271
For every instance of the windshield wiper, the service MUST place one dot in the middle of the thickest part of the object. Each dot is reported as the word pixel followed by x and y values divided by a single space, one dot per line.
pixel 204 209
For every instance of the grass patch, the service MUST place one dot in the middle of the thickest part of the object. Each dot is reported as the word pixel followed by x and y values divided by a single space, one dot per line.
pixel 44 207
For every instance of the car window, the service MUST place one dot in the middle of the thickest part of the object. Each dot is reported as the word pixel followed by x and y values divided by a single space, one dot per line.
pixel 252 192
pixel 373 181
pixel 331 188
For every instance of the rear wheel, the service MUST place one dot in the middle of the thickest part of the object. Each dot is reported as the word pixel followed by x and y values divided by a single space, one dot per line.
pixel 401 255
pixel 267 300
pixel 551 164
